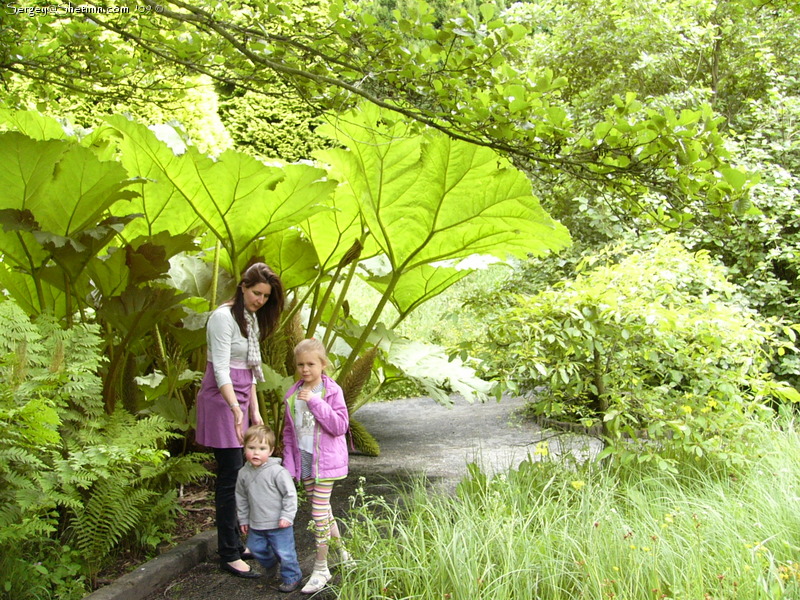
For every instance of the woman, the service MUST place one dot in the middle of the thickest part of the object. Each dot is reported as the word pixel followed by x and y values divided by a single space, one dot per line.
pixel 226 403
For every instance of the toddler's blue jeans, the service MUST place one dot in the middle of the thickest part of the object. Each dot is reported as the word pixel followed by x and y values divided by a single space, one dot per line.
pixel 271 546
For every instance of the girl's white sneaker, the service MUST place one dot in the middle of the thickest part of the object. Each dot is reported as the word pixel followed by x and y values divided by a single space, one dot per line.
pixel 316 582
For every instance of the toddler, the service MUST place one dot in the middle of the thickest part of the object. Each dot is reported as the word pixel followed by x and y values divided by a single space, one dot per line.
pixel 266 503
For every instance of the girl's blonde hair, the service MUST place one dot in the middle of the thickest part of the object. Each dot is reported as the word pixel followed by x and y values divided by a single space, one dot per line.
pixel 312 345
pixel 260 434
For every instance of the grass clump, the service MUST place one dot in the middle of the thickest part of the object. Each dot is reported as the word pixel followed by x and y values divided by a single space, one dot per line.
pixel 550 531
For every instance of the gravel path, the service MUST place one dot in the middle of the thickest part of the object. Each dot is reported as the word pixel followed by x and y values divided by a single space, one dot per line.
pixel 417 436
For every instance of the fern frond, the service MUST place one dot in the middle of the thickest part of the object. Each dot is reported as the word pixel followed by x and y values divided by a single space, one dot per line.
pixel 19 456
pixel 112 511
pixel 177 470
pixel 18 528
pixel 157 519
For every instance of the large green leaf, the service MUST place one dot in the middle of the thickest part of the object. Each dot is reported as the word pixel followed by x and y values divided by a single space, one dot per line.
pixel 56 195
pixel 110 273
pixel 335 231
pixel 18 242
pixel 418 285
pixel 236 197
pixel 63 184
pixel 33 296
pixel 291 255
pixel 429 366
pixel 427 198
pixel 33 124
pixel 163 205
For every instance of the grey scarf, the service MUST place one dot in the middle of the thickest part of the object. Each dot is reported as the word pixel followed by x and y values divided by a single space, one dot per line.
pixel 253 347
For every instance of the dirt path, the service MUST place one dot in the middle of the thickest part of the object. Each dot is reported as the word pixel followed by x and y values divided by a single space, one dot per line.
pixel 416 436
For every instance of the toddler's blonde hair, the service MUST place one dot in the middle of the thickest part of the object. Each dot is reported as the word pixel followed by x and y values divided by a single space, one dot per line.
pixel 261 434
pixel 313 345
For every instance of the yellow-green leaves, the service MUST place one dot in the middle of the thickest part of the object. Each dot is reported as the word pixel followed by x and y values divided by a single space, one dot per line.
pixel 237 198
pixel 428 198
pixel 56 195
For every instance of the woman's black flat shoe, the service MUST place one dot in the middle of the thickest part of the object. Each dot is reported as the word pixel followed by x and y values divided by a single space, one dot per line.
pixel 251 574
pixel 247 555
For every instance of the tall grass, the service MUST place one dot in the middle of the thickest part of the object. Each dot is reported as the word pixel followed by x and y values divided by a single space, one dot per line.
pixel 547 531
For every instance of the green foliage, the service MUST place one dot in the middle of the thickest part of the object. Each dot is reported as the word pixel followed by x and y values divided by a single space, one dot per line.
pixel 47 245
pixel 762 250
pixel 181 192
pixel 466 201
pixel 551 531
pixel 538 81
pixel 681 53
pixel 149 287
pixel 275 127
pixel 74 482
pixel 470 68
pixel 656 346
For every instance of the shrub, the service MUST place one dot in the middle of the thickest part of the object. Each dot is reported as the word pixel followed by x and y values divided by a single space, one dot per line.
pixel 658 346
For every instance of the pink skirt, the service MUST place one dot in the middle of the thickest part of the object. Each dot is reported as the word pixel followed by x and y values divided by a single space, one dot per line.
pixel 215 427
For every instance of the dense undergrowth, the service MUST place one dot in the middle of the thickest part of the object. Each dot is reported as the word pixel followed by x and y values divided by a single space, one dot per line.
pixel 79 486
pixel 551 530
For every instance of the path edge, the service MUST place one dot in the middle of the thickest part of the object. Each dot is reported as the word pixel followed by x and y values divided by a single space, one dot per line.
pixel 160 571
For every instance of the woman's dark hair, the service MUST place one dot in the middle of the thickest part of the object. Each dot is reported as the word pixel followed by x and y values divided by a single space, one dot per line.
pixel 268 315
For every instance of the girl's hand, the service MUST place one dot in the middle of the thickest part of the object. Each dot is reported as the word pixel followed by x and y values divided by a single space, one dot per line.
pixel 244 529
pixel 283 524
pixel 304 394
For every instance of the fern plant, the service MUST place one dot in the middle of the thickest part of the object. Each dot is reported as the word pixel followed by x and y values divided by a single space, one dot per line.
pixel 75 483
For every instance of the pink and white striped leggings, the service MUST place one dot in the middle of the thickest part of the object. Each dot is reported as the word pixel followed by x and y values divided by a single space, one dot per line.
pixel 319 494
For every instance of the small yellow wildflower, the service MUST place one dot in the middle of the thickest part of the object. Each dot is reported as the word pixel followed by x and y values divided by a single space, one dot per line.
pixel 542 449
pixel 686 409
pixel 578 484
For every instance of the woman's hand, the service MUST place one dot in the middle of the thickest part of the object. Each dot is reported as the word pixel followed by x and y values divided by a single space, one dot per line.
pixel 238 417
pixel 255 413
pixel 233 402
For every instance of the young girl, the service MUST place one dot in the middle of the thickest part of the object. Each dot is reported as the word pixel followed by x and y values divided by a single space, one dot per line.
pixel 315 448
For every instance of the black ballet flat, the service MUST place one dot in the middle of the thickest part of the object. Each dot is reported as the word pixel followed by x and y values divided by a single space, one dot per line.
pixel 251 574
pixel 247 555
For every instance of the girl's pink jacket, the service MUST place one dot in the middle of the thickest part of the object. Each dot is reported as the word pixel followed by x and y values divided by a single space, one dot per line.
pixel 330 443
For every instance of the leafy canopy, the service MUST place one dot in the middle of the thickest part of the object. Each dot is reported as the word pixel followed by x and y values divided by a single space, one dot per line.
pixel 465 75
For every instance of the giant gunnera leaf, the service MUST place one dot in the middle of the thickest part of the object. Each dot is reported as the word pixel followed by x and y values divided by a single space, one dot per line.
pixel 425 198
